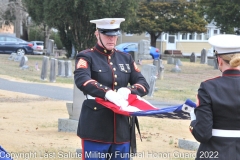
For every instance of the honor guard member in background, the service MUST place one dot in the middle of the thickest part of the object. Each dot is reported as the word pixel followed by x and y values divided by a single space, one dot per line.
pixel 216 119
pixel 104 72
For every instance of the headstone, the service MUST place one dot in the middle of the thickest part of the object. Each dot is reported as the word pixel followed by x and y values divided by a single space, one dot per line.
pixel 203 56
pixel 176 69
pixel 157 64
pixel 170 60
pixel 215 64
pixel 188 145
pixel 50 47
pixel 68 68
pixel 210 62
pixel 12 56
pixel 139 62
pixel 177 62
pixel 23 63
pixel 193 57
pixel 143 50
pixel 61 68
pixel 44 68
pixel 149 72
pixel 18 58
pixel 56 67
pixel 52 76
pixel 74 109
pixel 78 98
pixel 160 68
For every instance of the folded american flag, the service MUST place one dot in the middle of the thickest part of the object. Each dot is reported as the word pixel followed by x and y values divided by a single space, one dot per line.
pixel 141 107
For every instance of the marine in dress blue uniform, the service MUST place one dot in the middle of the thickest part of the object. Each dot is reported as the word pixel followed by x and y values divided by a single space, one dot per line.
pixel 216 120
pixel 111 75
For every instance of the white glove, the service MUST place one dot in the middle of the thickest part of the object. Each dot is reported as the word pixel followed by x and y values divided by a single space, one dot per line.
pixel 192 115
pixel 116 98
pixel 124 92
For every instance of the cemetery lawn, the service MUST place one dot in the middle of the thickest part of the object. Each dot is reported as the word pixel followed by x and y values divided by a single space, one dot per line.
pixel 29 129
pixel 29 123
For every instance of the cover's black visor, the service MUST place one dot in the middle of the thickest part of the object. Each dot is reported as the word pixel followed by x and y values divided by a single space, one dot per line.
pixel 110 32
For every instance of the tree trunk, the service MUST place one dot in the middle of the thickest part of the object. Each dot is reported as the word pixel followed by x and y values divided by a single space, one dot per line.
pixel 153 40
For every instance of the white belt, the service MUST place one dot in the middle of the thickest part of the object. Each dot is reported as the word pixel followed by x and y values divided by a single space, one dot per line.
pixel 89 97
pixel 225 133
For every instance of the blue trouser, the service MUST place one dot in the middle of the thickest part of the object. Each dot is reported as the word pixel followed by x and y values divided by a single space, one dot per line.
pixel 92 150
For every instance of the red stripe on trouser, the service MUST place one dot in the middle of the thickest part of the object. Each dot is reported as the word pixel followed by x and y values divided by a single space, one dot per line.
pixel 83 157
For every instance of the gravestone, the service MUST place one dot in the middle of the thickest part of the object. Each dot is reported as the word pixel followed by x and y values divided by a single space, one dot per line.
pixel 149 72
pixel 74 109
pixel 12 56
pixel 215 64
pixel 188 145
pixel 143 50
pixel 193 57
pixel 170 60
pixel 56 67
pixel 44 68
pixel 18 58
pixel 210 62
pixel 160 68
pixel 176 69
pixel 203 56
pixel 61 68
pixel 50 47
pixel 68 68
pixel 157 64
pixel 52 76
pixel 23 63
pixel 177 62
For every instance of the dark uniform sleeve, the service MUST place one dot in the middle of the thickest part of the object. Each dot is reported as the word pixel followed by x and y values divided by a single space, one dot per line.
pixel 138 83
pixel 82 77
pixel 201 128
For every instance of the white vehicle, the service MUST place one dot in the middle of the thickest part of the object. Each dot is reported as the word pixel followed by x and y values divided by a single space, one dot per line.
pixel 38 47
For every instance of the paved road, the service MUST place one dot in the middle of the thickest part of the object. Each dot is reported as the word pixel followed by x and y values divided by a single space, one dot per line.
pixel 59 93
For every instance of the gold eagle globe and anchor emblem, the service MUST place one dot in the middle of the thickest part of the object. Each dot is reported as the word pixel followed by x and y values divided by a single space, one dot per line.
pixel 112 22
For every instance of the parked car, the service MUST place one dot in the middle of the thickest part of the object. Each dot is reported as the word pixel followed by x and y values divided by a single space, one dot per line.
pixel 37 47
pixel 10 44
pixel 133 47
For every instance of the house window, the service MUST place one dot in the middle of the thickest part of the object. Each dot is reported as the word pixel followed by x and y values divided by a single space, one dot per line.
pixel 191 36
pixel 199 37
pixel 206 35
pixel 184 36
pixel 171 39
pixel 215 31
